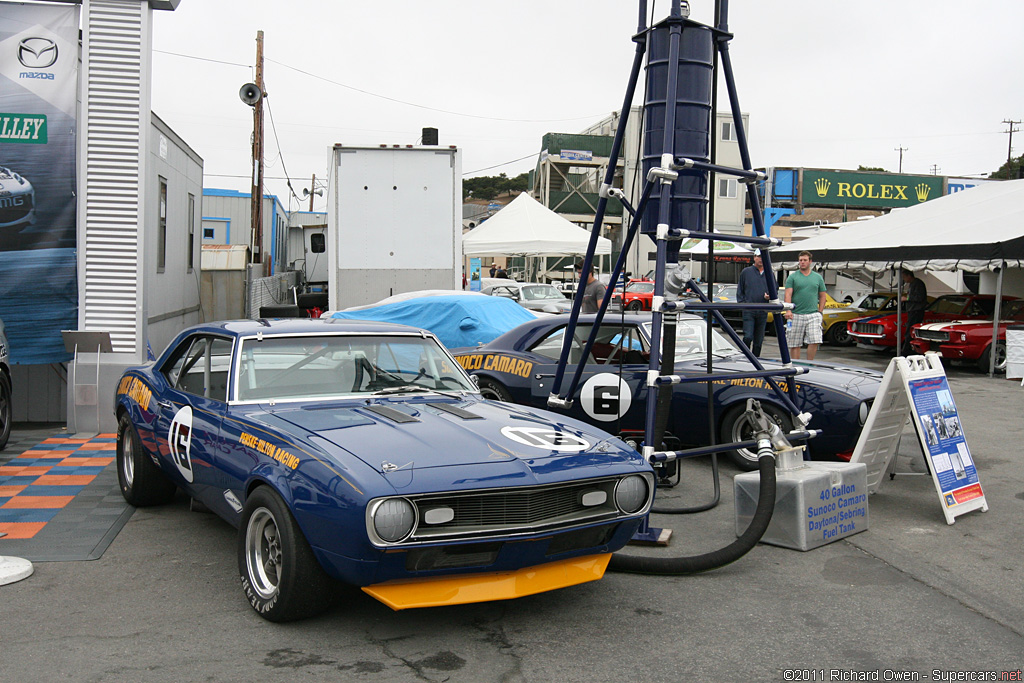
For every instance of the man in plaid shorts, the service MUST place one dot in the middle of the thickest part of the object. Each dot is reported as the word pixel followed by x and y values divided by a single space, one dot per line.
pixel 805 289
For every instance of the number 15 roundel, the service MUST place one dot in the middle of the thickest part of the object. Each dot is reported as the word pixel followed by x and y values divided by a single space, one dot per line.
pixel 605 397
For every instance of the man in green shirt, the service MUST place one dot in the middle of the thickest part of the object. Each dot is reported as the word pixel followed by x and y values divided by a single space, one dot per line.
pixel 805 289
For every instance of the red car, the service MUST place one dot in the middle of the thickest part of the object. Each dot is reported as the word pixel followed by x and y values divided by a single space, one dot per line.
pixel 879 331
pixel 638 297
pixel 965 340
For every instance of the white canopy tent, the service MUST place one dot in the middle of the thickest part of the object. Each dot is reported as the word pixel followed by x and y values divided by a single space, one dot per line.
pixel 527 228
pixel 974 230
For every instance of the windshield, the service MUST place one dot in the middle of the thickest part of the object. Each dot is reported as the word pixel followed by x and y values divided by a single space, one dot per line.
pixel 541 293
pixel 872 302
pixel 1013 310
pixel 691 337
pixel 321 366
pixel 641 287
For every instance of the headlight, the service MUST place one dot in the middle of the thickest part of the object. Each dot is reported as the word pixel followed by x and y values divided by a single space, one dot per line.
pixel 862 413
pixel 631 493
pixel 393 519
pixel 963 336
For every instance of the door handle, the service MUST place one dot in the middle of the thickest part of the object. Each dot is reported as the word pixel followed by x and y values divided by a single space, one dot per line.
pixel 166 405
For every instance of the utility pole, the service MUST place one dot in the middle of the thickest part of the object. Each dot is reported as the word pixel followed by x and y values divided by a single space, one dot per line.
pixel 935 169
pixel 257 162
pixel 312 192
pixel 1009 148
pixel 901 150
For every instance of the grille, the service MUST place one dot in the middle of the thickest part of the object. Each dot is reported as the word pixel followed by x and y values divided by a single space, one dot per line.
pixel 519 510
pixel 934 335
pixel 867 328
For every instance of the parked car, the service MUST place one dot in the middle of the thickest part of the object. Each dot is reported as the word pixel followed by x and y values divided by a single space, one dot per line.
pixel 835 318
pixel 17 199
pixel 519 365
pixel 362 452
pixel 969 340
pixel 878 332
pixel 532 295
pixel 6 405
pixel 636 297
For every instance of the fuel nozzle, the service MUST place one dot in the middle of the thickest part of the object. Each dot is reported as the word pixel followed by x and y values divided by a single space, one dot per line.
pixel 771 441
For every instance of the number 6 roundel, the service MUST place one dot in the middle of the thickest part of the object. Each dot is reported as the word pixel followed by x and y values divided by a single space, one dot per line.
pixel 605 397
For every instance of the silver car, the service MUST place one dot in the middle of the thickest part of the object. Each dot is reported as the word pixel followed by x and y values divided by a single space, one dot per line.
pixel 532 295
pixel 17 199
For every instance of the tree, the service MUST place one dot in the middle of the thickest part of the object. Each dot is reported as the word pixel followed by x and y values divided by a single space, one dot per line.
pixel 489 187
pixel 1009 170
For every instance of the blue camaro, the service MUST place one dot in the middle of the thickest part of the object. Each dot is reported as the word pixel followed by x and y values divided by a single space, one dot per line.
pixel 520 365
pixel 363 452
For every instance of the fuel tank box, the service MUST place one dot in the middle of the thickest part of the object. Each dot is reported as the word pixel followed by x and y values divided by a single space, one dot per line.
pixel 815 504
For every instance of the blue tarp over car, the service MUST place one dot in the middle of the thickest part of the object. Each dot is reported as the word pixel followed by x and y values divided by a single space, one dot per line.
pixel 457 320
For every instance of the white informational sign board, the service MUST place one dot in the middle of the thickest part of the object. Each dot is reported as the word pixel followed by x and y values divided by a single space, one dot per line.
pixel 915 388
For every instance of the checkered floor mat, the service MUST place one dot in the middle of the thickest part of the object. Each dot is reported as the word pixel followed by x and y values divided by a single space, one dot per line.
pixel 59 500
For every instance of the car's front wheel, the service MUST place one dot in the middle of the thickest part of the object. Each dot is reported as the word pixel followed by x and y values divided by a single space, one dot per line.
pixel 986 356
pixel 494 390
pixel 6 411
pixel 281 577
pixel 141 481
pixel 635 305
pixel 838 335
pixel 736 426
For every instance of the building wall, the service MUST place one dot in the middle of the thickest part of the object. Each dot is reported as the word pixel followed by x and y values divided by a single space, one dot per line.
pixel 172 291
pixel 227 214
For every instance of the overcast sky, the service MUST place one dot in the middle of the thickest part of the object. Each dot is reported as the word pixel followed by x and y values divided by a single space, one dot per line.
pixel 826 84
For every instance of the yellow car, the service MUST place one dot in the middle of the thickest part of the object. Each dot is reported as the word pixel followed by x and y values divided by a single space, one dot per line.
pixel 836 316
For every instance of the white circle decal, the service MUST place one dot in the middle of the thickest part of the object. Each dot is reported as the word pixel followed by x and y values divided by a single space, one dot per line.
pixel 606 397
pixel 548 438
pixel 179 438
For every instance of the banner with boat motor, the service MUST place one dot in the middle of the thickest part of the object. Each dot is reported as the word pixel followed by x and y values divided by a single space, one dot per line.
pixel 38 133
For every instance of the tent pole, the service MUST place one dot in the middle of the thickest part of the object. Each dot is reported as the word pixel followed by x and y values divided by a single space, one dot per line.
pixel 995 321
pixel 899 308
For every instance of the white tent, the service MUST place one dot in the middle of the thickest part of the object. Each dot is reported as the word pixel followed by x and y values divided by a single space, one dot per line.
pixel 526 228
pixel 977 229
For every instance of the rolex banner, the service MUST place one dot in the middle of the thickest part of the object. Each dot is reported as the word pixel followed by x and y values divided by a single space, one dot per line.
pixel 874 190
pixel 38 104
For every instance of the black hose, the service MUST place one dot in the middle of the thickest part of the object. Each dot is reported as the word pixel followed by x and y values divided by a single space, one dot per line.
pixel 669 566
pixel 698 508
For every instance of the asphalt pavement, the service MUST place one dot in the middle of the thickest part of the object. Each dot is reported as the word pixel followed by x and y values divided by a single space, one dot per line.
pixel 911 598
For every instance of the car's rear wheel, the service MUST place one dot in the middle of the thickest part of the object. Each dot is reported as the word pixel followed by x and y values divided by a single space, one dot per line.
pixel 6 411
pixel 986 355
pixel 737 427
pixel 635 305
pixel 141 481
pixel 281 577
pixel 494 390
pixel 839 335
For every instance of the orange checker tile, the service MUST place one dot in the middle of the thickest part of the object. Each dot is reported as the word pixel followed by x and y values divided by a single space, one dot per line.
pixel 105 436
pixel 37 502
pixel 63 480
pixel 84 462
pixel 19 530
pixel 63 440
pixel 44 454
pixel 97 447
pixel 23 471
pixel 10 490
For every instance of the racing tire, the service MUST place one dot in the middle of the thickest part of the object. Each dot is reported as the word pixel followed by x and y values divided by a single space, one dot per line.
pixel 141 481
pixel 839 335
pixel 494 390
pixel 1000 359
pixel 6 410
pixel 281 577
pixel 735 427
pixel 634 306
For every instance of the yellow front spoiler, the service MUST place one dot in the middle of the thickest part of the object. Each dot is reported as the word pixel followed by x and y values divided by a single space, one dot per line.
pixel 467 588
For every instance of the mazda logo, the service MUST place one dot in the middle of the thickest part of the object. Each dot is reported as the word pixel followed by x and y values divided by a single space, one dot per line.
pixel 37 53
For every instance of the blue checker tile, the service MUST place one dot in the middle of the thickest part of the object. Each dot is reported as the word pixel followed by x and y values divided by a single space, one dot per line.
pixel 55 490
pixel 73 469
pixel 4 499
pixel 19 480
pixel 10 515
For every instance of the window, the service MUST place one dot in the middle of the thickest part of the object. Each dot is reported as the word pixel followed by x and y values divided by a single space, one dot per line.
pixel 161 244
pixel 208 233
pixel 203 369
pixel 727 188
pixel 318 243
pixel 191 231
pixel 728 132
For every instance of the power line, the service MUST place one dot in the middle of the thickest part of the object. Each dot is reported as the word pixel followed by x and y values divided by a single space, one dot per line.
pixel 500 165
pixel 204 59
pixel 280 152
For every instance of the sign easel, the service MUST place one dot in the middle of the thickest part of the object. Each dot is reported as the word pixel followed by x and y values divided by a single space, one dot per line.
pixel 915 388
pixel 78 342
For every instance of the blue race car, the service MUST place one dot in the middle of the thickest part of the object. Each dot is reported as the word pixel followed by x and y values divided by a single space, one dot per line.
pixel 362 451
pixel 520 365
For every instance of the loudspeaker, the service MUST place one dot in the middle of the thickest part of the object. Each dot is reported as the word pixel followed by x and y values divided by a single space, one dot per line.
pixel 250 94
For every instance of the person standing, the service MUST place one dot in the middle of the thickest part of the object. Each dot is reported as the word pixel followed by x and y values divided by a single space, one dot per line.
pixel 593 292
pixel 753 289
pixel 805 289
pixel 494 269
pixel 915 298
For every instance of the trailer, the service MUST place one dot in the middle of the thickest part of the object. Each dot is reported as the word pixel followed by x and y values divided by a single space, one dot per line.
pixel 394 222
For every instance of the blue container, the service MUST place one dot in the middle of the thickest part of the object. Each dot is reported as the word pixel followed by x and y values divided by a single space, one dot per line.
pixel 691 132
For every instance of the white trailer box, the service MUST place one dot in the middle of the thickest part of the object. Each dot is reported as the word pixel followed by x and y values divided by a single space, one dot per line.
pixel 394 222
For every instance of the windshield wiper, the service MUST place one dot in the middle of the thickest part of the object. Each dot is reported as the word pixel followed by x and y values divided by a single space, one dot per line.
pixel 412 388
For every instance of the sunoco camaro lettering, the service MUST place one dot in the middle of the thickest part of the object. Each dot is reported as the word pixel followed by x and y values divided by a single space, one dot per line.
pixel 362 452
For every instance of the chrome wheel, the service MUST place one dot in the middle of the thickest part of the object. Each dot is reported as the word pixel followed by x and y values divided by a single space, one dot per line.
pixel 128 458
pixel 263 553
